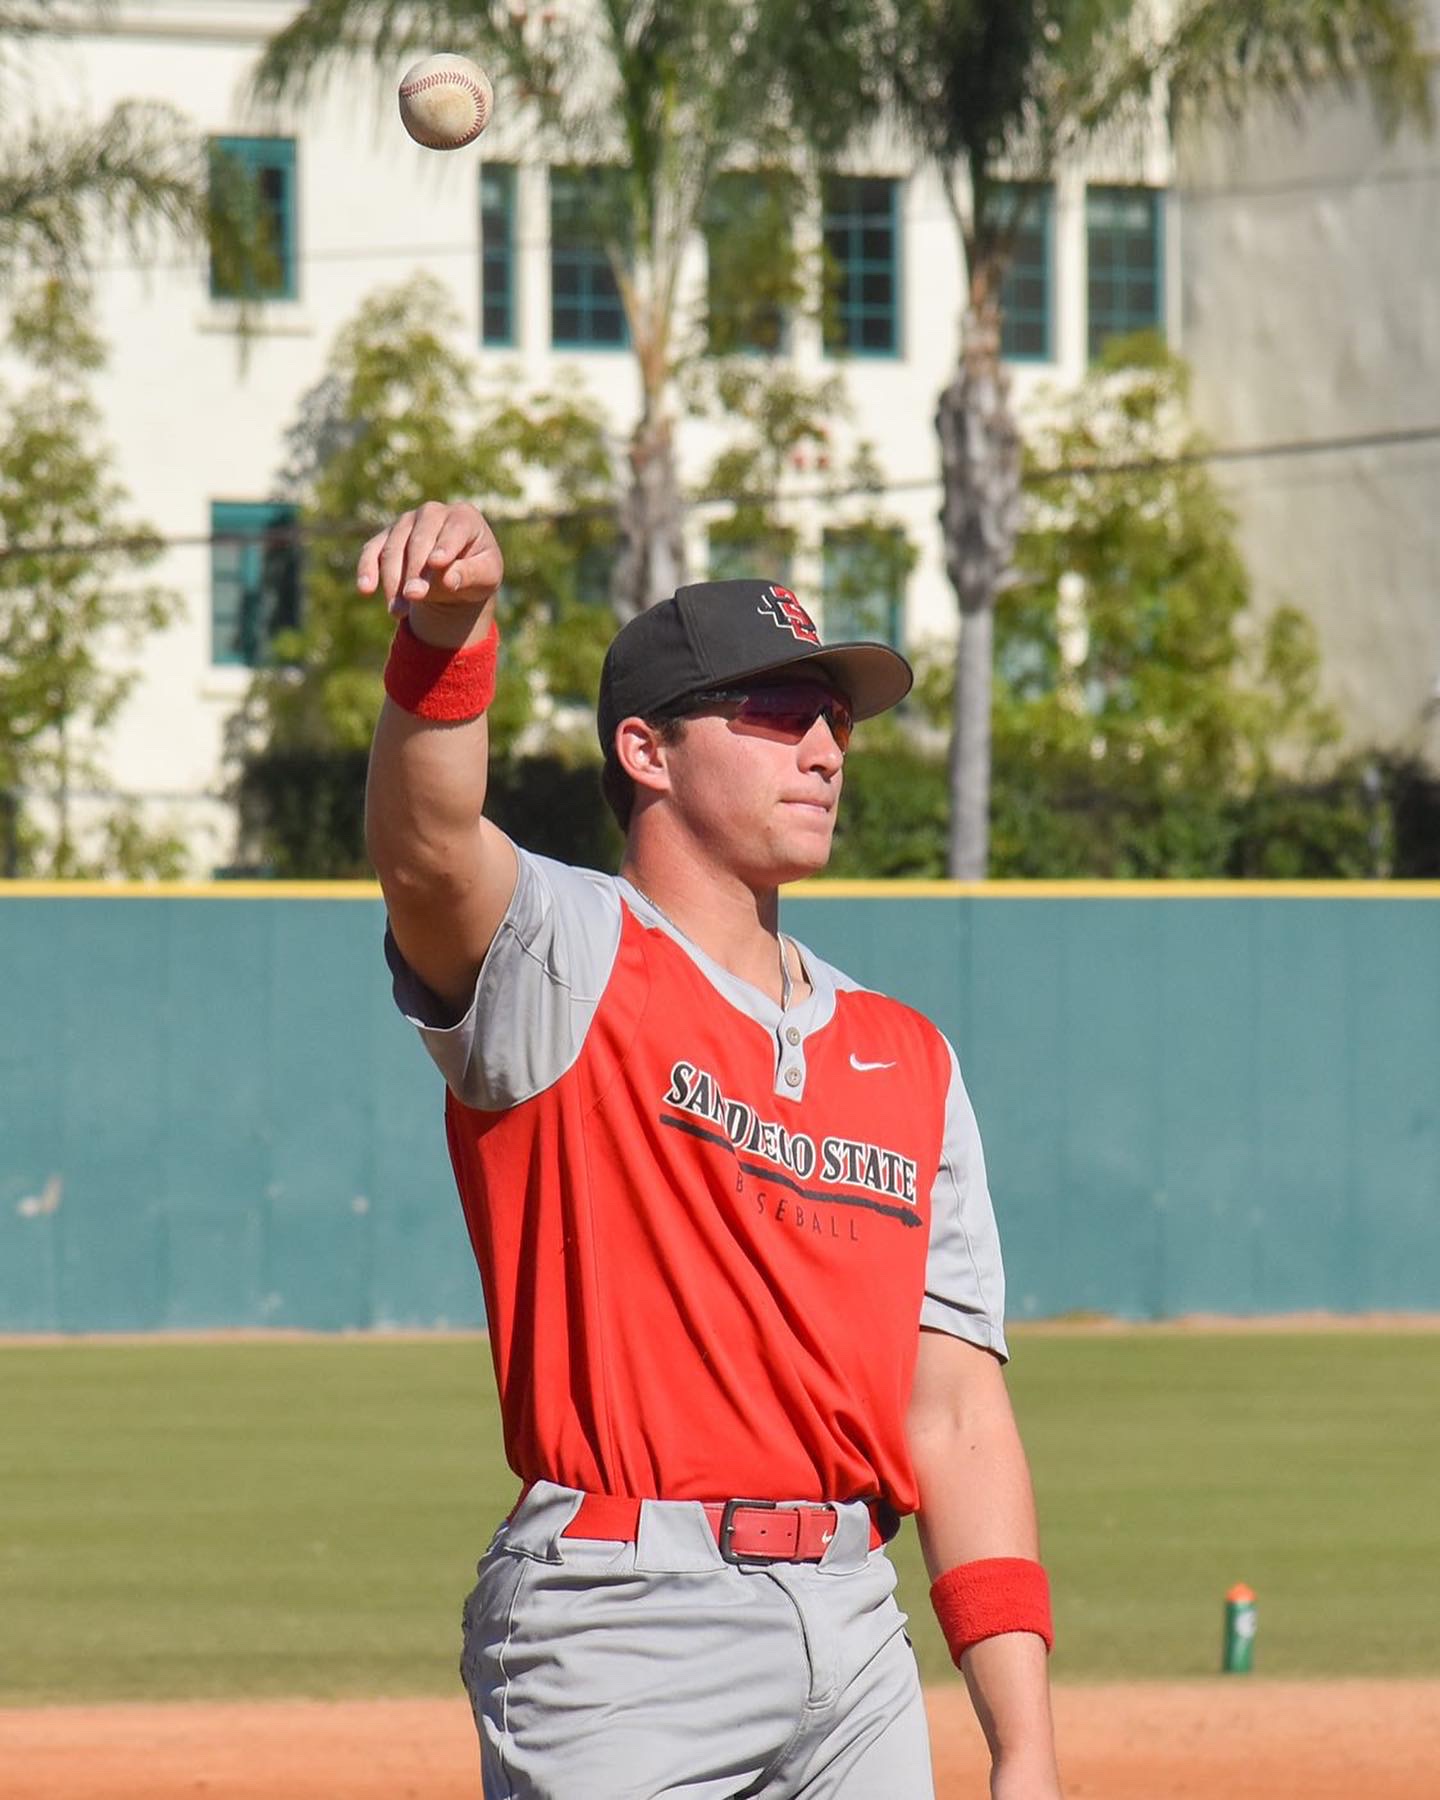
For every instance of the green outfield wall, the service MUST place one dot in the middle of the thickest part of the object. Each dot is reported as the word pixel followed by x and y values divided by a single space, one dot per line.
pixel 1193 1099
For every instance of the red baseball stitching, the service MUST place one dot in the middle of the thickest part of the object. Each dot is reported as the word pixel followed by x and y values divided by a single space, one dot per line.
pixel 443 78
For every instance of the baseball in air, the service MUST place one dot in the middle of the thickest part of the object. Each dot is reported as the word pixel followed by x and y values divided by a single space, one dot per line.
pixel 445 101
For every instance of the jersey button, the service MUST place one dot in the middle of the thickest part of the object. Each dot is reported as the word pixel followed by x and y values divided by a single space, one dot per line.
pixel 792 1036
pixel 792 1077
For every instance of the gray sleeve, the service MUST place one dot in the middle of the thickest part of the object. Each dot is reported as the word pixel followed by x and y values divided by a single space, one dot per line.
pixel 964 1277
pixel 536 992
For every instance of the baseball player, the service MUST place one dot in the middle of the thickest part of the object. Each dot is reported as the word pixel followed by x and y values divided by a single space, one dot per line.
pixel 731 1219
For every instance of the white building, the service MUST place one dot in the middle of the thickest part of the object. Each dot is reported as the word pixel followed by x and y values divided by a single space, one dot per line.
pixel 198 431
pixel 1312 318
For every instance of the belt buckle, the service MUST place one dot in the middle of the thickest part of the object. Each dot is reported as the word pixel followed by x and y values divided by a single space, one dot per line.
pixel 725 1537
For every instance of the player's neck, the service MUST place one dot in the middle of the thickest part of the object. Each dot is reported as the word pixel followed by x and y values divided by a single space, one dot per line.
pixel 735 925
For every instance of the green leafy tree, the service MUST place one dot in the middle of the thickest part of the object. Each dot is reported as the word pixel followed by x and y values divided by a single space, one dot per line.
pixel 1145 722
pixel 996 91
pixel 660 96
pixel 893 820
pixel 400 412
pixel 778 422
pixel 72 604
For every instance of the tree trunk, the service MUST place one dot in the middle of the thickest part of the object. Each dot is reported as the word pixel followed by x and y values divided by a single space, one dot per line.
pixel 9 835
pixel 652 556
pixel 969 846
pixel 979 520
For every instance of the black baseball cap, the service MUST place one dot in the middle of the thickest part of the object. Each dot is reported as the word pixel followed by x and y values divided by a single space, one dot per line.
pixel 719 633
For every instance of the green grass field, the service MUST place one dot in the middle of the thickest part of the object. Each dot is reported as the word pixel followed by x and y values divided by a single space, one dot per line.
pixel 303 1518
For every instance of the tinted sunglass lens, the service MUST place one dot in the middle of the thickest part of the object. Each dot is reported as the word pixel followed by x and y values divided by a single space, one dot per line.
pixel 797 709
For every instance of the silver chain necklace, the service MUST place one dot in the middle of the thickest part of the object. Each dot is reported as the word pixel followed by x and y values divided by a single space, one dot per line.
pixel 787 986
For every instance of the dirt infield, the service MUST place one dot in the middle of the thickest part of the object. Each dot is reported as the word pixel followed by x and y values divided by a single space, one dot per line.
pixel 1218 1740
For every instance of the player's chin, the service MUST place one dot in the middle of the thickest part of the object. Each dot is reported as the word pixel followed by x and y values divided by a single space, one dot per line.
pixel 805 846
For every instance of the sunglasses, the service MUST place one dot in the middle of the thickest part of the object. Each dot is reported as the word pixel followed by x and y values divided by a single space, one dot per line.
pixel 788 707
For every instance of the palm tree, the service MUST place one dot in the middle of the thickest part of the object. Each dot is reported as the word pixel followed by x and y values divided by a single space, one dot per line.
pixel 992 89
pixel 662 93
pixel 138 174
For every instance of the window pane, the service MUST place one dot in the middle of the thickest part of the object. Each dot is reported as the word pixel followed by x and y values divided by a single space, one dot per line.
pixel 751 273
pixel 1123 248
pixel 254 179
pixel 862 587
pixel 1023 337
pixel 497 265
pixel 861 236
pixel 606 325
pixel 254 578
pixel 1026 209
pixel 586 309
pixel 594 572
pixel 733 558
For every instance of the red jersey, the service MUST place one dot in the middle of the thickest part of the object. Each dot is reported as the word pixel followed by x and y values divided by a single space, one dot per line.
pixel 708 1231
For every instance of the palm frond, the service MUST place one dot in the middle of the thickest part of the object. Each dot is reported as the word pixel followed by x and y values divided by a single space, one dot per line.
pixel 327 38
pixel 1219 53
pixel 1216 56
pixel 137 175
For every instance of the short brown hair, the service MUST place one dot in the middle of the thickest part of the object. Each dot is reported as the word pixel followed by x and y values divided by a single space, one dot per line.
pixel 616 785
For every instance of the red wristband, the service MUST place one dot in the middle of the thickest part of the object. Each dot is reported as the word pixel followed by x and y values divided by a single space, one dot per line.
pixel 977 1600
pixel 434 682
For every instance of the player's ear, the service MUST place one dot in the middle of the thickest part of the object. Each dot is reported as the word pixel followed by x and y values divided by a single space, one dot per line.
pixel 641 750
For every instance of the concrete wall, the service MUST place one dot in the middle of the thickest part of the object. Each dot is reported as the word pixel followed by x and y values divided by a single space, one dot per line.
pixel 1312 312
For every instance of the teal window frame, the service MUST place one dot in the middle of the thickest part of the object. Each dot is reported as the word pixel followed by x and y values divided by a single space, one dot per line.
pixel 272 162
pixel 254 579
pixel 845 619
pixel 855 260
pixel 1027 293
pixel 589 290
pixel 498 297
pixel 1126 272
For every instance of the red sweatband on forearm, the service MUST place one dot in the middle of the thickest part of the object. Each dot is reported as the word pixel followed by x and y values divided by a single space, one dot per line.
pixel 977 1600
pixel 434 682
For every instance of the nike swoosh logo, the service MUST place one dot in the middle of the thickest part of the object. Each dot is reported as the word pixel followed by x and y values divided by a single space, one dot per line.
pixel 827 1537
pixel 865 1068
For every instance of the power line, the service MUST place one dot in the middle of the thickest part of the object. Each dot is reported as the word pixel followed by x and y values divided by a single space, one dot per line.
pixel 323 530
pixel 1365 440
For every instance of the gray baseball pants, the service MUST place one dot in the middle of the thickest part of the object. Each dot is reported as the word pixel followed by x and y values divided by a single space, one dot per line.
pixel 607 1671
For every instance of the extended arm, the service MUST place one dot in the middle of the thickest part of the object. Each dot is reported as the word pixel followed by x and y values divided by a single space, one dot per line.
pixel 976 1502
pixel 446 872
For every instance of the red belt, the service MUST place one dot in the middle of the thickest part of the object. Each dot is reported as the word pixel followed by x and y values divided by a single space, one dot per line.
pixel 745 1530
